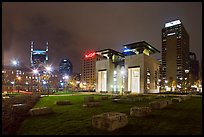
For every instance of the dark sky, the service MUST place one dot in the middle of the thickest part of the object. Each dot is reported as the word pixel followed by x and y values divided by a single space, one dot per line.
pixel 73 29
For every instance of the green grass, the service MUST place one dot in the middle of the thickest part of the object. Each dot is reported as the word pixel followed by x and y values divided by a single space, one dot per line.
pixel 175 119
pixel 65 92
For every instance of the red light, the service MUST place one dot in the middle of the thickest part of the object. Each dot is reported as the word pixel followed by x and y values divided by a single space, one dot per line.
pixel 90 55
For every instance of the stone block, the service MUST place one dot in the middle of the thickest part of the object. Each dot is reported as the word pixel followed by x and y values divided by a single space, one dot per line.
pixel 110 121
pixel 185 97
pixel 63 102
pixel 176 100
pixel 116 100
pixel 140 111
pixel 40 111
pixel 88 99
pixel 91 104
pixel 169 102
pixel 158 104
pixel 104 97
pixel 19 107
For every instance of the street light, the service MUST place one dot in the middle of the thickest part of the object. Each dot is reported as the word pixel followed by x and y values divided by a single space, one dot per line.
pixel 15 64
pixel 48 68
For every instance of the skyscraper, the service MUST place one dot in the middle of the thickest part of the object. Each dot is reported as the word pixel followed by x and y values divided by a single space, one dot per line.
pixel 38 57
pixel 175 52
pixel 65 67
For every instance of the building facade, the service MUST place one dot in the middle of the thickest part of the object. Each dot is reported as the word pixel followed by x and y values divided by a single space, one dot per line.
pixel 88 71
pixel 133 71
pixel 24 79
pixel 175 53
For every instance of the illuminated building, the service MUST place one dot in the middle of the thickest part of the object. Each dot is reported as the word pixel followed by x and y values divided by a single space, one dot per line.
pixel 25 79
pixel 88 76
pixel 38 57
pixel 175 52
pixel 133 71
pixel 65 67
pixel 108 71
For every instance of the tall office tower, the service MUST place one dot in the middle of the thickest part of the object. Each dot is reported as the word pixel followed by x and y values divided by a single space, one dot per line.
pixel 88 70
pixel 38 57
pixel 65 67
pixel 175 52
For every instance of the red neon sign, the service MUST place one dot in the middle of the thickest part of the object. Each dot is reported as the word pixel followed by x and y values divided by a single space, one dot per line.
pixel 90 55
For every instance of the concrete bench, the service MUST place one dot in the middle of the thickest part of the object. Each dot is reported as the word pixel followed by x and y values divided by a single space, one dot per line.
pixel 40 111
pixel 63 102
pixel 158 104
pixel 109 121
pixel 140 111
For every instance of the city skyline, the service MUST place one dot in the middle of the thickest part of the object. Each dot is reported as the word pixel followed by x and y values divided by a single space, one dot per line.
pixel 74 29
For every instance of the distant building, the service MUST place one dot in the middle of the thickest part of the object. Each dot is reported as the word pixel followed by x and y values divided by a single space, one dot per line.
pixel 24 79
pixel 193 68
pixel 65 67
pixel 88 70
pixel 38 57
pixel 175 52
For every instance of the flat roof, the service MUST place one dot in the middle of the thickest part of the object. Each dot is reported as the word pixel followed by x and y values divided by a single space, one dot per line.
pixel 142 45
pixel 108 50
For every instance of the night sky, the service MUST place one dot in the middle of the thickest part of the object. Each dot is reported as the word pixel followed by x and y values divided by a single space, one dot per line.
pixel 74 29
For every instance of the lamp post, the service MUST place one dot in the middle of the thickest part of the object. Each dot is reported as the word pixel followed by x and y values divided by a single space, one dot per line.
pixel 15 63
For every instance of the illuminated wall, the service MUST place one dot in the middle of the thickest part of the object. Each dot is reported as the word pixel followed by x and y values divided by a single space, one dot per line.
pixel 102 81
pixel 134 79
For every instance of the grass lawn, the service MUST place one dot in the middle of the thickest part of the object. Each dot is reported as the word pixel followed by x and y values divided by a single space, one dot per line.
pixel 175 119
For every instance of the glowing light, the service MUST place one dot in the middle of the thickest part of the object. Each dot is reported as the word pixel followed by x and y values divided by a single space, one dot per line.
pixel 48 68
pixel 127 50
pixel 35 71
pixel 19 78
pixel 66 77
pixel 90 55
pixel 186 71
pixel 14 62
pixel 172 23
pixel 171 34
